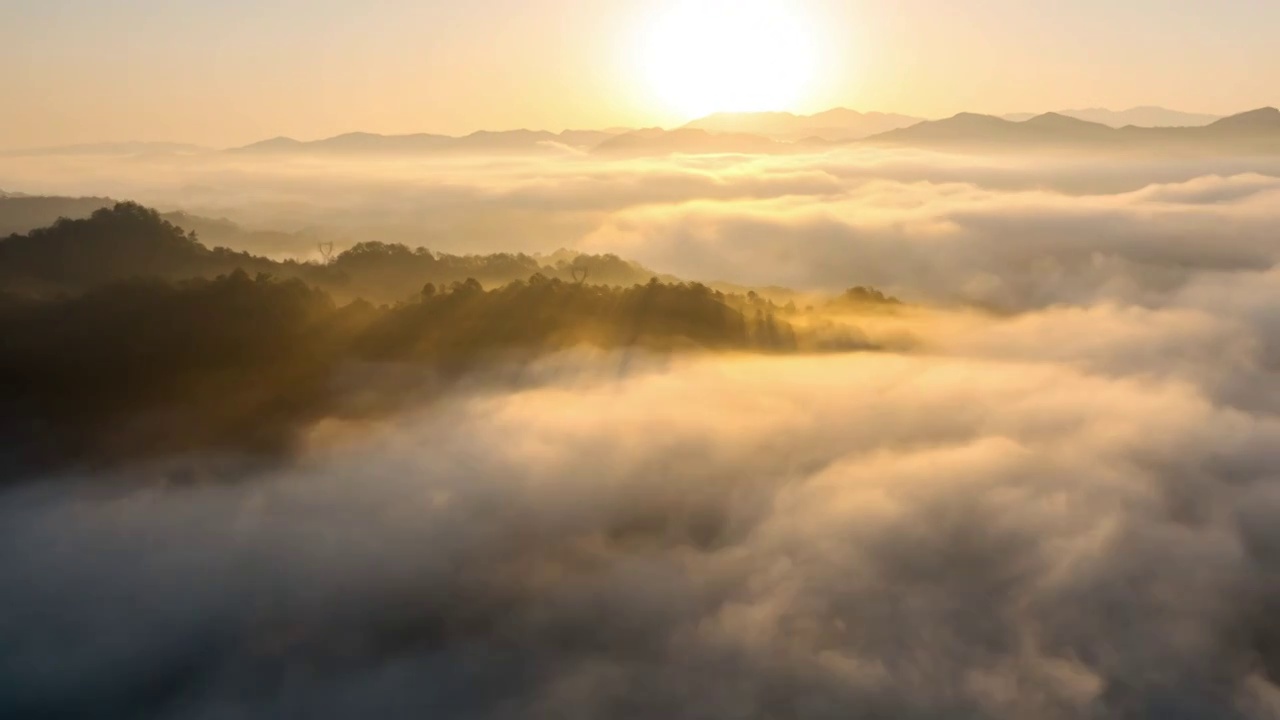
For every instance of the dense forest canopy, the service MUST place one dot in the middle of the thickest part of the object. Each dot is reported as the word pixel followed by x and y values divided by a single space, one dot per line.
pixel 126 337
pixel 129 240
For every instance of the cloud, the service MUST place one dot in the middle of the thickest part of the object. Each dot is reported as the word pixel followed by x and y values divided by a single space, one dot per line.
pixel 972 529
pixel 957 242
pixel 1065 509
pixel 1009 231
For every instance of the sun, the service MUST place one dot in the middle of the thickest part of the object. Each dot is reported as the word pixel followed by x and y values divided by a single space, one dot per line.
pixel 704 56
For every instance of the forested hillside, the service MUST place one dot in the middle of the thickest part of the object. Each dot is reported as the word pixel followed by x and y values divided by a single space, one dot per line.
pixel 125 337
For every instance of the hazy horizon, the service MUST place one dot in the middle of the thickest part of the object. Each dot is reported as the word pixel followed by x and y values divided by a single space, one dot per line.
pixel 782 126
pixel 228 74
pixel 697 411
pixel 1014 116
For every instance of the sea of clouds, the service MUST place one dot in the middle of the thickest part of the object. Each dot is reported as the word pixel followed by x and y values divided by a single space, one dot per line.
pixel 1053 494
pixel 1006 232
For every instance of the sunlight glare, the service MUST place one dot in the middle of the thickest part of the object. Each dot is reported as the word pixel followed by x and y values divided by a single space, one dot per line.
pixel 704 56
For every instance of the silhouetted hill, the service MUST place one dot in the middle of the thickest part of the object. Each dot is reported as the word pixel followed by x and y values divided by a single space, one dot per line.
pixel 128 241
pixel 970 127
pixel 837 124
pixel 963 127
pixel 1055 126
pixel 126 338
pixel 360 143
pixel 148 368
pixel 689 141
pixel 276 144
pixel 1262 120
pixel 112 244
pixel 221 232
pixel 1139 116
pixel 1254 131
pixel 20 214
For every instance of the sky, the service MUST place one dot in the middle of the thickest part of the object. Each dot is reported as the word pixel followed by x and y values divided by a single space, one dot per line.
pixel 236 71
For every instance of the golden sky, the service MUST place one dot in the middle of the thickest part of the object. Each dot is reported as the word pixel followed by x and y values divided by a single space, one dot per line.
pixel 237 71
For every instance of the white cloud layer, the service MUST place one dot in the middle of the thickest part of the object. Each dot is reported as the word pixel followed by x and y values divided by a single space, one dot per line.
pixel 1061 514
pixel 1067 510
pixel 1007 232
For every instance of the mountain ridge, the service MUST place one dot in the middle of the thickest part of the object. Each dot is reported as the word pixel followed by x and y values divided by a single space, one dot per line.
pixel 765 132
pixel 1141 116
pixel 518 140
pixel 1257 130
pixel 659 141
pixel 837 124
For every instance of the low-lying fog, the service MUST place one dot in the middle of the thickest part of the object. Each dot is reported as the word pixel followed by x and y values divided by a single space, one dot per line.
pixel 1064 509
pixel 1005 231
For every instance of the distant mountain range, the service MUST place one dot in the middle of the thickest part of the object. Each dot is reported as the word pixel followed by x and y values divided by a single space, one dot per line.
pixel 483 141
pixel 656 141
pixel 838 124
pixel 1253 131
pixel 780 132
pixel 1139 116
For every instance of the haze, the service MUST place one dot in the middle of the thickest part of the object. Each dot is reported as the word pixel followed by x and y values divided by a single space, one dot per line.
pixel 229 73
pixel 718 360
